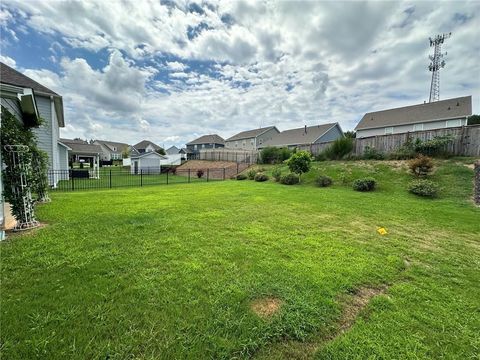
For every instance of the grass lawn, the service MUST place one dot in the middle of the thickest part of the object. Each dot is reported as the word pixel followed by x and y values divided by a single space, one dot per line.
pixel 172 271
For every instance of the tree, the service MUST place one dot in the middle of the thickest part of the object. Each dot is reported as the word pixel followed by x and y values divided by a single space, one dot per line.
pixel 161 151
pixel 300 162
pixel 473 120
pixel 350 134
pixel 125 153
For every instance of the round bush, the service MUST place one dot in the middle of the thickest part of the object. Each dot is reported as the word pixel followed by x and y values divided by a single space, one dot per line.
pixel 241 177
pixel 261 177
pixel 425 188
pixel 365 184
pixel 277 174
pixel 324 181
pixel 290 179
pixel 251 174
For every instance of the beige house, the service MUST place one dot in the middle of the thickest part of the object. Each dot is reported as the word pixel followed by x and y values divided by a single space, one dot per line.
pixel 251 139
pixel 429 116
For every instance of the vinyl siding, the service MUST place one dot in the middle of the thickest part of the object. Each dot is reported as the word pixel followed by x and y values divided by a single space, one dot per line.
pixel 267 136
pixel 400 129
pixel 62 157
pixel 331 135
pixel 13 106
pixel 44 132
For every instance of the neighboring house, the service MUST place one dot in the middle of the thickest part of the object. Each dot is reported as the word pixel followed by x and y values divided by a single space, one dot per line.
pixel 212 141
pixel 146 163
pixel 251 139
pixel 80 151
pixel 16 89
pixel 112 150
pixel 429 116
pixel 145 146
pixel 306 135
pixel 173 150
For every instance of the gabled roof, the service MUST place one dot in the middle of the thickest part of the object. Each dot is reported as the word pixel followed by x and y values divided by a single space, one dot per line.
pixel 114 145
pixel 144 143
pixel 172 150
pixel 303 135
pixel 251 133
pixel 444 109
pixel 208 139
pixel 11 76
pixel 81 146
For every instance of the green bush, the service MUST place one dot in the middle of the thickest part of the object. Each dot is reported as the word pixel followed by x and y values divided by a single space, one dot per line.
pixel 434 147
pixel 425 188
pixel 241 177
pixel 251 174
pixel 300 162
pixel 260 177
pixel 290 179
pixel 324 181
pixel 274 155
pixel 277 174
pixel 370 153
pixel 421 166
pixel 365 184
pixel 339 149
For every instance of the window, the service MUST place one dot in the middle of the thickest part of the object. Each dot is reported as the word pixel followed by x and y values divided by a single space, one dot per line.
pixel 195 147
pixel 417 127
pixel 453 123
pixel 389 130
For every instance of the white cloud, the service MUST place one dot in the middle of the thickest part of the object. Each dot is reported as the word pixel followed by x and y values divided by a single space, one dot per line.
pixel 8 60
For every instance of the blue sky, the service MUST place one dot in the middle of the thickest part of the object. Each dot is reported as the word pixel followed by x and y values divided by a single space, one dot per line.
pixel 171 71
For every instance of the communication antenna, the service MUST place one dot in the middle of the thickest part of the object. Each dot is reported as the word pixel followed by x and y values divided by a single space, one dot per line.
pixel 436 63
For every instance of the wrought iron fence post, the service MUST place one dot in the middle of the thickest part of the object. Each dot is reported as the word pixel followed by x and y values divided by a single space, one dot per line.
pixel 208 172
pixel 168 170
pixel 189 176
pixel 141 177
pixel 110 178
pixel 223 173
pixel 73 180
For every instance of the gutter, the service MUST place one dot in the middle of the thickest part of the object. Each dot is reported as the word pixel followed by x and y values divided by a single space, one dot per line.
pixel 413 123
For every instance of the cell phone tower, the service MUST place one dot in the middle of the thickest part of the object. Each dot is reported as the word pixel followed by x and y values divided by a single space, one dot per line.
pixel 436 63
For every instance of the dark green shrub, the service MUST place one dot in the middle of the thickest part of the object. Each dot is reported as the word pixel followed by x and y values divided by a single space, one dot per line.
pixel 425 188
pixel 251 174
pixel 324 181
pixel 421 166
pixel 473 119
pixel 339 149
pixel 273 155
pixel 370 153
pixel 260 177
pixel 365 184
pixel 277 174
pixel 241 177
pixel 300 162
pixel 290 179
pixel 200 173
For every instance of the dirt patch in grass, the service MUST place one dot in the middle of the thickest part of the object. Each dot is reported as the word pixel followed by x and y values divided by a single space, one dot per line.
pixel 266 307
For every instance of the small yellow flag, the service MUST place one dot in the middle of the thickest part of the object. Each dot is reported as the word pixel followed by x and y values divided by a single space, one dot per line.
pixel 382 231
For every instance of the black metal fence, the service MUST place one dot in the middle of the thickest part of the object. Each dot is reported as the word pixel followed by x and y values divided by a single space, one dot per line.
pixel 108 178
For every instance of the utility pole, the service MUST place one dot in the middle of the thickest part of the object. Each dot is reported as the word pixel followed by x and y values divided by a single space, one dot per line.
pixel 436 63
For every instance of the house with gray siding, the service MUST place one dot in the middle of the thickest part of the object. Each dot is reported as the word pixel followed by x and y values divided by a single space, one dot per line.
pixel 13 87
pixel 306 135
pixel 251 139
pixel 428 116
pixel 212 141
pixel 112 150
pixel 145 146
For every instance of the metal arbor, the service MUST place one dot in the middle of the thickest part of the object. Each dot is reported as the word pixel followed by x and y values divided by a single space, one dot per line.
pixel 436 63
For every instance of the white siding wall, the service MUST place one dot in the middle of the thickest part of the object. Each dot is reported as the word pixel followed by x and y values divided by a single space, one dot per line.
pixel 62 158
pixel 442 124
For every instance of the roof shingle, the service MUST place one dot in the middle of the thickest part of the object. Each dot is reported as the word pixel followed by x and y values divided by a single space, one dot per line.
pixel 299 136
pixel 250 133
pixel 11 76
pixel 208 139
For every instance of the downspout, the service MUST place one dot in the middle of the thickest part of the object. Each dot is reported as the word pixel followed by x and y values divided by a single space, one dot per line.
pixel 54 142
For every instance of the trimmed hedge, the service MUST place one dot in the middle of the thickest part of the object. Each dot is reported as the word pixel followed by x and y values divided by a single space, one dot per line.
pixel 365 184
pixel 290 179
pixel 424 188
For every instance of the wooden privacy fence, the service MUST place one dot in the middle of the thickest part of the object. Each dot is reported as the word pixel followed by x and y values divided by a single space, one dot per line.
pixel 466 141
pixel 248 157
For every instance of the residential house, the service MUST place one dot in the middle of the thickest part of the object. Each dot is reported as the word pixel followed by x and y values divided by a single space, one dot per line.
pixel 428 116
pixel 146 162
pixel 145 146
pixel 306 135
pixel 112 150
pixel 251 139
pixel 212 141
pixel 16 89
pixel 80 151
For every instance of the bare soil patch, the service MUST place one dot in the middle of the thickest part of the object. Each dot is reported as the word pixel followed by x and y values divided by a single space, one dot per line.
pixel 266 307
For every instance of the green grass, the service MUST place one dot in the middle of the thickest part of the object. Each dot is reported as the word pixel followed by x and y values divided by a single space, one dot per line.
pixel 170 272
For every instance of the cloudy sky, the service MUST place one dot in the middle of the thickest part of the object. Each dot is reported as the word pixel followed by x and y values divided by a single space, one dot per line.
pixel 169 71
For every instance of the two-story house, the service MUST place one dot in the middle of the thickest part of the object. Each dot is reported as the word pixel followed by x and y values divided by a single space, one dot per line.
pixel 212 141
pixel 112 150
pixel 145 146
pixel 251 139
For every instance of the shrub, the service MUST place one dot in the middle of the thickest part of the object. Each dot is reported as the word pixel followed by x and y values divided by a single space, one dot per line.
pixel 421 165
pixel 340 148
pixel 251 174
pixel 261 177
pixel 365 184
pixel 434 147
pixel 324 181
pixel 273 155
pixel 200 173
pixel 241 177
pixel 370 153
pixel 277 174
pixel 290 179
pixel 425 188
pixel 300 162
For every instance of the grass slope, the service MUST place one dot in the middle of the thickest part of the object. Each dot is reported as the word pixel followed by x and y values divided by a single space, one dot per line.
pixel 171 272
